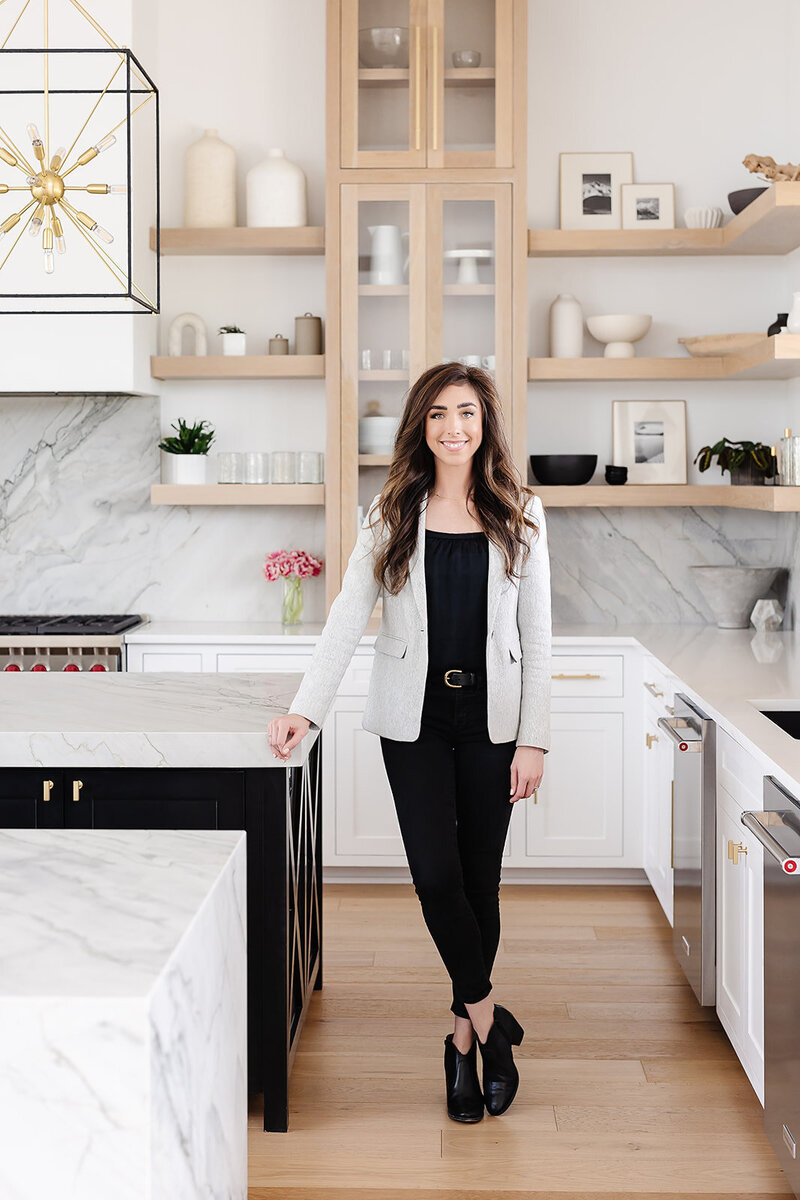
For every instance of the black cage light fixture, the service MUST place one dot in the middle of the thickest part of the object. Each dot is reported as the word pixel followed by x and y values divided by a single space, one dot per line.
pixel 79 171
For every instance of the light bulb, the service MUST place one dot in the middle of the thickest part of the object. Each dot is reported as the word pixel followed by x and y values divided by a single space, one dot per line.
pixel 49 262
pixel 61 245
pixel 58 158
pixel 102 233
pixel 33 180
pixel 58 233
pixel 33 134
pixel 117 189
pixel 36 221
pixel 104 143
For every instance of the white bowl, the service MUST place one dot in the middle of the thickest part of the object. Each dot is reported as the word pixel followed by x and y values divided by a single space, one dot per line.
pixel 619 331
pixel 383 46
pixel 376 434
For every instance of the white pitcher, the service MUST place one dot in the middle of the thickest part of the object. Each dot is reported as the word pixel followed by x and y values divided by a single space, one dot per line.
pixel 386 254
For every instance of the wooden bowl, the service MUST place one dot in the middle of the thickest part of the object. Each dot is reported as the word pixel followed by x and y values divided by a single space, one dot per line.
pixel 720 343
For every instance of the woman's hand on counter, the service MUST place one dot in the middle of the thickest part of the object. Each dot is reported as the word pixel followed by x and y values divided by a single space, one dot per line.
pixel 284 733
pixel 527 768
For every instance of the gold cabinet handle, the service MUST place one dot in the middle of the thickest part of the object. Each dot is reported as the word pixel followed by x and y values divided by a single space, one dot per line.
pixel 670 709
pixel 650 738
pixel 651 687
pixel 47 787
pixel 435 87
pixel 734 850
pixel 77 784
pixel 588 675
pixel 418 88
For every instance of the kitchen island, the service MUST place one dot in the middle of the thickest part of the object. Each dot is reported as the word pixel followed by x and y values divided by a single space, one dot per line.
pixel 185 751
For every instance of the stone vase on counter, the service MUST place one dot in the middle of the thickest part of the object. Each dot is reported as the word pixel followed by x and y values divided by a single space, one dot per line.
pixel 209 183
pixel 276 192
pixel 566 327
pixel 731 592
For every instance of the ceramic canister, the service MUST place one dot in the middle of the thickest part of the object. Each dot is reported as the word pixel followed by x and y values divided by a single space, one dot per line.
pixel 308 334
pixel 209 195
pixel 276 192
pixel 279 344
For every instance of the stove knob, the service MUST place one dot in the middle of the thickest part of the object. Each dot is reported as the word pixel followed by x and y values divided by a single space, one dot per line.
pixel 13 667
pixel 40 667
pixel 71 667
pixel 98 667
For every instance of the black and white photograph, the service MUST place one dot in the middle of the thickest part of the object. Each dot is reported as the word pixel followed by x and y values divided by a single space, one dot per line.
pixel 648 205
pixel 649 438
pixel 590 189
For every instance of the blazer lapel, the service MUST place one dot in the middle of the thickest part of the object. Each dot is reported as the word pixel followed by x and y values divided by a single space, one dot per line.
pixel 496 582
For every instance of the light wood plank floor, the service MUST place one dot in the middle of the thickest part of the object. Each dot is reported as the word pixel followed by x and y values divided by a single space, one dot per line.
pixel 628 1087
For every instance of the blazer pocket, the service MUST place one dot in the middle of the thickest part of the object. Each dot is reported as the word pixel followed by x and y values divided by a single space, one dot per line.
pixel 387 643
pixel 515 652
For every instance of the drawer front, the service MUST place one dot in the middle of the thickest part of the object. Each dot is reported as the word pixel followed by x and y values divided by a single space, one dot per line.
pixel 739 773
pixel 584 675
pixel 263 662
pixel 172 660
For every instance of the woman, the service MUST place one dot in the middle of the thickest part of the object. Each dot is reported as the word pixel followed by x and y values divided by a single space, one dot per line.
pixel 460 687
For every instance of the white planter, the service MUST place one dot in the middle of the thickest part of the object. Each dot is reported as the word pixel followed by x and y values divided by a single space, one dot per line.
pixel 276 192
pixel 183 468
pixel 566 327
pixel 793 320
pixel 209 184
pixel 234 343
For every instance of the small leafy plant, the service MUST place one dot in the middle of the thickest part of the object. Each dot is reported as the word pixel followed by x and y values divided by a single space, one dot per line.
pixel 229 329
pixel 737 454
pixel 191 439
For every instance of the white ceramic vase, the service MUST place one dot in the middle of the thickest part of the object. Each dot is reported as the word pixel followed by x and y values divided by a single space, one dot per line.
pixel 793 320
pixel 209 184
pixel 276 192
pixel 566 327
pixel 183 468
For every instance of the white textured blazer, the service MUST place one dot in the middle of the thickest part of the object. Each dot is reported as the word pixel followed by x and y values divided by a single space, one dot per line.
pixel 518 643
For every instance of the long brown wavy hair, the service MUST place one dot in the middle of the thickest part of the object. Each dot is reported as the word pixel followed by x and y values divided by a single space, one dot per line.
pixel 496 489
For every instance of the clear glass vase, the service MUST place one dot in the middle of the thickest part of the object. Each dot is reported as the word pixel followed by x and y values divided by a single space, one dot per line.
pixel 292 608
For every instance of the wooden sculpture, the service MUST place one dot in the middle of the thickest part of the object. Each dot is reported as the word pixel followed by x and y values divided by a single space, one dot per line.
pixel 762 164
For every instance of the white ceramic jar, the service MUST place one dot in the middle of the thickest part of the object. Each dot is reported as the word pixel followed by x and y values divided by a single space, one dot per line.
pixel 276 192
pixel 566 327
pixel 209 183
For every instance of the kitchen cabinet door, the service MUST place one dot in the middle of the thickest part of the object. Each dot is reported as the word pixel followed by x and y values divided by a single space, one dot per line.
pixel 154 798
pixel 364 828
pixel 31 799
pixel 579 812
pixel 658 809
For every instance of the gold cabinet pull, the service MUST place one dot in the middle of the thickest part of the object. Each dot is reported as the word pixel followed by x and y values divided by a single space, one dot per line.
pixel 650 738
pixel 417 86
pixel 564 675
pixel 734 850
pixel 77 784
pixel 651 687
pixel 670 709
pixel 435 32
pixel 47 787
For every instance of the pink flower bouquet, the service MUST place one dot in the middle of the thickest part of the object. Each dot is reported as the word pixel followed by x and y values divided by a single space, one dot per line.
pixel 293 566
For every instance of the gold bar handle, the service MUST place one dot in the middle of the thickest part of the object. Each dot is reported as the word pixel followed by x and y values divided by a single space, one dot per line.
pixel 588 675
pixel 735 849
pixel 436 87
pixel 650 738
pixel 47 787
pixel 651 687
pixel 417 86
pixel 77 784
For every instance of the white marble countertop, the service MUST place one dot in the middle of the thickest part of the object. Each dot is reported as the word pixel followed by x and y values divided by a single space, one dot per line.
pixel 168 719
pixel 97 912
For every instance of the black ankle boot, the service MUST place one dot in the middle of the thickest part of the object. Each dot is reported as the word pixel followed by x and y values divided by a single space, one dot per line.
pixel 500 1075
pixel 464 1096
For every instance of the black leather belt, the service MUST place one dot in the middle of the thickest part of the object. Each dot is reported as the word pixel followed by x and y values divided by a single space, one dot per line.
pixel 456 678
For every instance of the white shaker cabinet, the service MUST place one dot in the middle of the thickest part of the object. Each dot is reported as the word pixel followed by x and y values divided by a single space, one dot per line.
pixel 659 688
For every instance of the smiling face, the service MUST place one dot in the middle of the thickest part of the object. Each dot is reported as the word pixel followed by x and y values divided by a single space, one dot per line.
pixel 454 425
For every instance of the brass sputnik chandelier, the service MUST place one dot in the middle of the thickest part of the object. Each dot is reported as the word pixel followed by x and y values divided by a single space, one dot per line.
pixel 73 221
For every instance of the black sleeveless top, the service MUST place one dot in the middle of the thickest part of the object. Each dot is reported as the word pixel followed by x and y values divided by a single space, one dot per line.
pixel 456 583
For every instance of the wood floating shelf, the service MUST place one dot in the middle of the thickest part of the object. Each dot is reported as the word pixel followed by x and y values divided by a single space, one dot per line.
pixel 775 357
pixel 383 289
pixel 400 77
pixel 468 289
pixel 669 495
pixel 237 493
pixel 770 225
pixel 374 460
pixel 299 239
pixel 384 376
pixel 245 366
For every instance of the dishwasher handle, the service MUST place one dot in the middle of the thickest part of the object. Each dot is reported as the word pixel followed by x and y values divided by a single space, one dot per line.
pixel 754 821
pixel 674 726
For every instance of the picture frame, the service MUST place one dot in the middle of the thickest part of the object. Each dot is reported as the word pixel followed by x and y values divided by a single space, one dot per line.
pixel 649 438
pixel 589 188
pixel 648 205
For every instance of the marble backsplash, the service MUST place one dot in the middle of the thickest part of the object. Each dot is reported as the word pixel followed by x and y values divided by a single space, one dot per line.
pixel 78 534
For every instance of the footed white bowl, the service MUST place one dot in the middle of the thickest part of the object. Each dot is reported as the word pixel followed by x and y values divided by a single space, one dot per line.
pixel 619 331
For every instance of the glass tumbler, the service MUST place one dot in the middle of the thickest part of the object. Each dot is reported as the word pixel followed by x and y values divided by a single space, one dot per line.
pixel 230 467
pixel 309 466
pixel 284 466
pixel 256 466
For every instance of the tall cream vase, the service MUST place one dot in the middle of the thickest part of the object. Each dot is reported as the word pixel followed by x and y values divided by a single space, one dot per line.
pixel 209 184
pixel 276 192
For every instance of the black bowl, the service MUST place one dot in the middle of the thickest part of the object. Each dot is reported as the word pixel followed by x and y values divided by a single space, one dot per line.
pixel 552 469
pixel 740 199
pixel 615 474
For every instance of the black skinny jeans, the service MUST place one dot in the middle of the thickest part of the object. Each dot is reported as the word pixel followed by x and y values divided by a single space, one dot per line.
pixel 451 790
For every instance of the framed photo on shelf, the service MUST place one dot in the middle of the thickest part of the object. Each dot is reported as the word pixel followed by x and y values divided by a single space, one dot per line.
pixel 589 189
pixel 648 205
pixel 649 438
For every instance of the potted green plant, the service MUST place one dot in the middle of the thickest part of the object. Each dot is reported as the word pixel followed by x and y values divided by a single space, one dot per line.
pixel 233 339
pixel 748 462
pixel 184 456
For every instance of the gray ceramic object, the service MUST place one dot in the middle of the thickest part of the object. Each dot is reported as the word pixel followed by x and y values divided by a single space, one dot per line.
pixel 731 592
pixel 740 199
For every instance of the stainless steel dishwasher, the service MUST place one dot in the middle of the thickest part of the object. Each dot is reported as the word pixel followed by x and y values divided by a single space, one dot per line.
pixel 778 830
pixel 694 742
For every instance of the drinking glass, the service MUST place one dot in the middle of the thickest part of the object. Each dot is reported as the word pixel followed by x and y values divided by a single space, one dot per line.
pixel 309 466
pixel 230 467
pixel 256 466
pixel 284 466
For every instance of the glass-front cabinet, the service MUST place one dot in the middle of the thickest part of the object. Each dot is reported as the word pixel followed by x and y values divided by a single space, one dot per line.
pixel 425 277
pixel 427 83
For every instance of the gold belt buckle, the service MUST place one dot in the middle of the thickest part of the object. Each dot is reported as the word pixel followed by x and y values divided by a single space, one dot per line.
pixel 450 672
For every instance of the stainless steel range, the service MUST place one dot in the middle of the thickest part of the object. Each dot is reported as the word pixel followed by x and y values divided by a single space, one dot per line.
pixel 80 642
